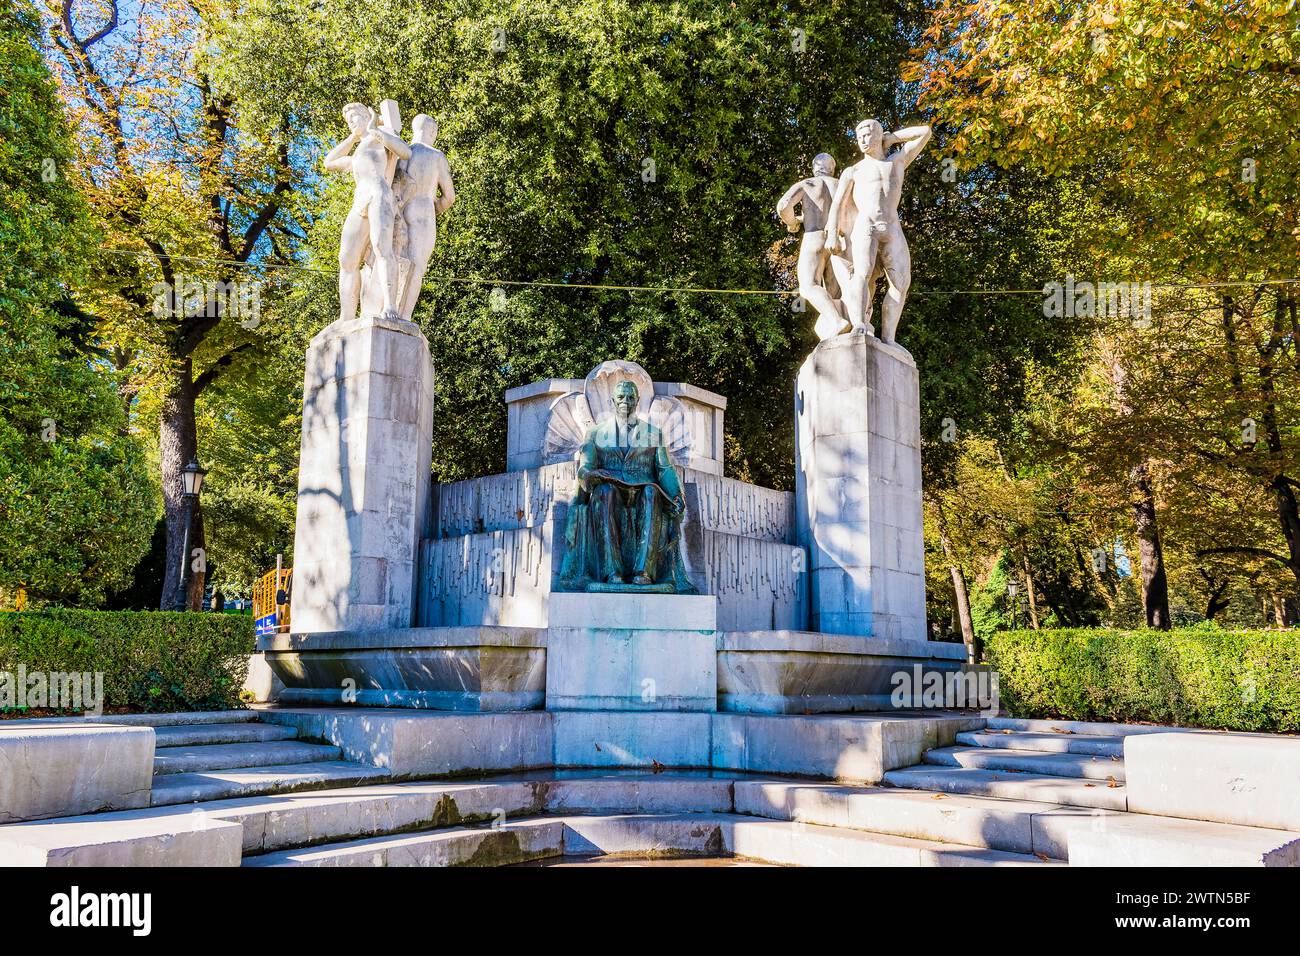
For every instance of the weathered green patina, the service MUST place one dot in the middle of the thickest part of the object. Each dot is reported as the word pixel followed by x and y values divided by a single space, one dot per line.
pixel 624 527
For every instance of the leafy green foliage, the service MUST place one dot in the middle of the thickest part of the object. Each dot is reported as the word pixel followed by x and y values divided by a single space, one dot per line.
pixel 76 503
pixel 1192 677
pixel 1193 105
pixel 151 660
pixel 1173 122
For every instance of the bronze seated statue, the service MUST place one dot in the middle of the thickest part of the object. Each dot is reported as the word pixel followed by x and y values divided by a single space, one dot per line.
pixel 624 525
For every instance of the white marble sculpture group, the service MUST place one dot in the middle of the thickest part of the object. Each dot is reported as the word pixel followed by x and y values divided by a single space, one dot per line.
pixel 851 233
pixel 399 191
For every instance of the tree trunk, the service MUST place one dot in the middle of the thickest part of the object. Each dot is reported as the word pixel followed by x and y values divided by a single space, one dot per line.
pixel 1288 513
pixel 1217 588
pixel 973 650
pixel 177 444
pixel 960 591
pixel 1155 585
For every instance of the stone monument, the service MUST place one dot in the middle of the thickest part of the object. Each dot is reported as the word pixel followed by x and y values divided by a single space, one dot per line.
pixel 648 642
pixel 613 575
pixel 633 668
pixel 363 482
pixel 857 400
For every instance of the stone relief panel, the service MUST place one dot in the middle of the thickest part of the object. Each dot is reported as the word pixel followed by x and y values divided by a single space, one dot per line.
pixel 499 577
pixel 515 499
pixel 760 585
pixel 737 507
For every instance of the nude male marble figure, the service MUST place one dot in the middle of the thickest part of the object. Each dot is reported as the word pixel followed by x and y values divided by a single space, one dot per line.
pixel 370 153
pixel 424 191
pixel 873 239
pixel 821 275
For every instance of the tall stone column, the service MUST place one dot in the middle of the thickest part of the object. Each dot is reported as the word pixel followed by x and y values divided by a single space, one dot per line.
pixel 363 476
pixel 858 488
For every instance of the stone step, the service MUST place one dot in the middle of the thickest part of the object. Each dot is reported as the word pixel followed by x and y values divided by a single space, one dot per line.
pixel 653 835
pixel 1104 746
pixel 174 837
pixel 145 720
pixel 192 735
pixel 1083 766
pixel 1015 826
pixel 281 822
pixel 1137 839
pixel 169 760
pixel 252 781
pixel 1041 788
pixel 803 844
pixel 422 824
pixel 275 815
pixel 1084 727
pixel 1084 837
pixel 517 841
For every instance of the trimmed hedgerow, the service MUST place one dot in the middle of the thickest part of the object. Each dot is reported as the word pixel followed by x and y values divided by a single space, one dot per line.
pixel 1231 680
pixel 151 660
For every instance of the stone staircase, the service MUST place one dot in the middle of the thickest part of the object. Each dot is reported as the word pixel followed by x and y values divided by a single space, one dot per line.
pixel 1063 762
pixel 511 820
pixel 230 790
pixel 1060 785
pixel 222 754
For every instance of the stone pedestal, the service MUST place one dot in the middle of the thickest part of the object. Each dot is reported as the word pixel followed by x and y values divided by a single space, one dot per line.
pixel 858 488
pixel 363 480
pixel 651 652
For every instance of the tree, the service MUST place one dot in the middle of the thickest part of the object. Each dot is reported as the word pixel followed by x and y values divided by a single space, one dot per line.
pixel 1181 114
pixel 177 182
pixel 76 504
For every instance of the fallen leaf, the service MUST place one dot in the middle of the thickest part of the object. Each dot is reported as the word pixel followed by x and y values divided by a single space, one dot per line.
pixel 1112 783
pixel 1090 785
pixel 940 796
pixel 1044 857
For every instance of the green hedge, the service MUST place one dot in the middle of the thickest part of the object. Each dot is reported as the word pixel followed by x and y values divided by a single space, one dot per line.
pixel 151 660
pixel 1232 680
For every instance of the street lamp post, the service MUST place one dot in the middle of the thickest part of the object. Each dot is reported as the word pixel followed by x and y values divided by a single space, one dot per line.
pixel 1012 587
pixel 191 484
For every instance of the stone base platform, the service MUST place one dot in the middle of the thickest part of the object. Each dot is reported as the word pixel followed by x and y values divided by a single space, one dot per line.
pixel 653 652
pixel 409 744
pixel 1002 812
